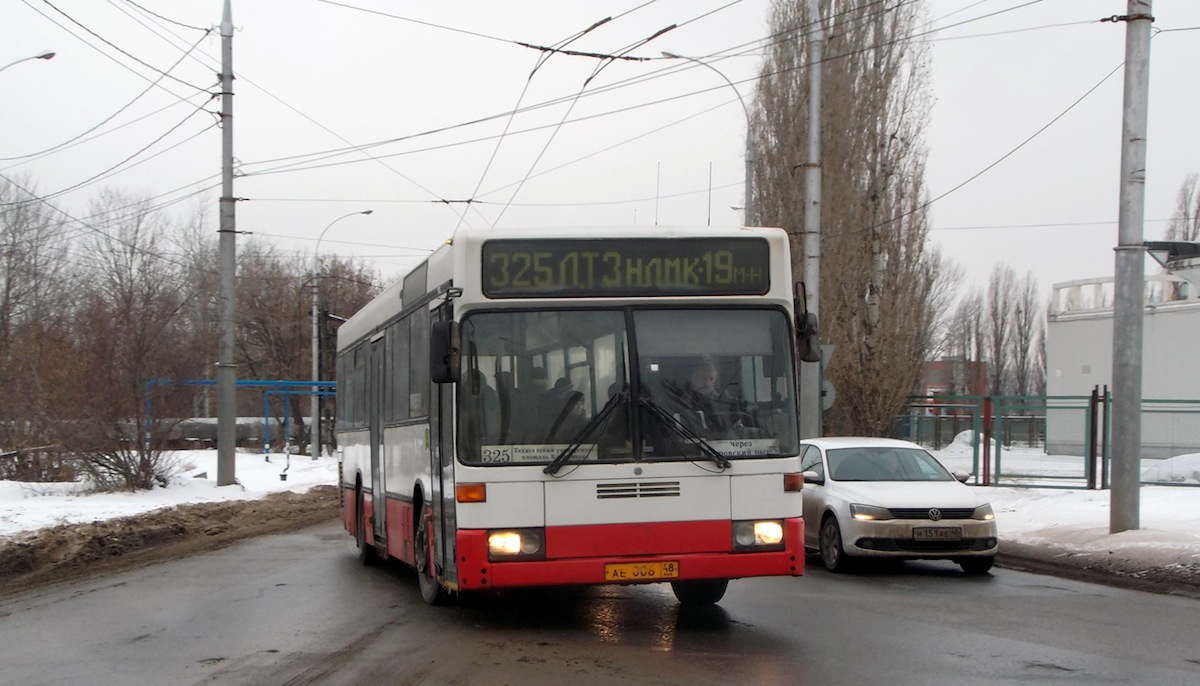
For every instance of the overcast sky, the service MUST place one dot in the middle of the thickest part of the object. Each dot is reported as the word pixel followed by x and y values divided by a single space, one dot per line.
pixel 399 107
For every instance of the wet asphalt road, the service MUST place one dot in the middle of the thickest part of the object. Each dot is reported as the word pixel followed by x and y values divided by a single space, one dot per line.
pixel 296 609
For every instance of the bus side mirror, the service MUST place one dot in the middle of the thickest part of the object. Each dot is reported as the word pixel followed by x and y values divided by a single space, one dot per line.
pixel 444 352
pixel 808 340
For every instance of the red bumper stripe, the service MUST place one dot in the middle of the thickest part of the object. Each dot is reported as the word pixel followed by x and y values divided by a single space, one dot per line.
pixel 592 547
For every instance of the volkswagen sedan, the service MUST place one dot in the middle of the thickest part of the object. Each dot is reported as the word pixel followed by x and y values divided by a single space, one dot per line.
pixel 883 498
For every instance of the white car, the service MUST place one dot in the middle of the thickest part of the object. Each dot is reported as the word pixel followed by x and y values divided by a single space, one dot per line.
pixel 883 498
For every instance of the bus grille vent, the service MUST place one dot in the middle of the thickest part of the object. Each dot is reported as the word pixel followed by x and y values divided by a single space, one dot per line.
pixel 660 489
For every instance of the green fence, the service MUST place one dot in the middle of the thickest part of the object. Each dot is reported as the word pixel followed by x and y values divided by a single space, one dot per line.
pixel 1046 441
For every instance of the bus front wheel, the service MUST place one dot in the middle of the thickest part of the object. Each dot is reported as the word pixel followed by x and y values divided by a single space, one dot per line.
pixel 432 591
pixel 365 552
pixel 700 591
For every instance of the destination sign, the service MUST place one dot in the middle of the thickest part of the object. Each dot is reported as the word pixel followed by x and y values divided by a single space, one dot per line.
pixel 570 268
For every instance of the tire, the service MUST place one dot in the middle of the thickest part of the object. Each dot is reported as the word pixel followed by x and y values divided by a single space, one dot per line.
pixel 976 566
pixel 365 553
pixel 432 591
pixel 833 555
pixel 699 592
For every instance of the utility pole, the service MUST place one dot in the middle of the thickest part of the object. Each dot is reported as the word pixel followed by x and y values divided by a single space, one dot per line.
pixel 226 370
pixel 810 374
pixel 1129 277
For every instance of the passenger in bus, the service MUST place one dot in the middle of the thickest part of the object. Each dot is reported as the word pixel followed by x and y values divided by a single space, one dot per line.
pixel 569 422
pixel 529 422
pixel 484 406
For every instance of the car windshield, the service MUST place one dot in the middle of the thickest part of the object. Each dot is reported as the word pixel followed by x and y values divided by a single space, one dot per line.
pixel 542 387
pixel 885 464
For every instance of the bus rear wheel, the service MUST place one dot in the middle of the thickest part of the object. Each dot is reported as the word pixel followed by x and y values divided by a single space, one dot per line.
pixel 432 591
pixel 700 592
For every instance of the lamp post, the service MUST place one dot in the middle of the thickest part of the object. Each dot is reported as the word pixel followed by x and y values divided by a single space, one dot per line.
pixel 47 55
pixel 315 439
pixel 747 206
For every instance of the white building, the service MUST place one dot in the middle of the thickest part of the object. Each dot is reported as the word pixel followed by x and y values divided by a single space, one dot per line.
pixel 1079 358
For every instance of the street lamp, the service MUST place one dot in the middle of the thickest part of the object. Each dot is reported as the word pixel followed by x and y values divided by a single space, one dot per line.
pixel 47 55
pixel 315 430
pixel 1182 258
pixel 747 206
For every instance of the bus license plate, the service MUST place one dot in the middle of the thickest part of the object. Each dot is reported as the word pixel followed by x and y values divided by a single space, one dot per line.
pixel 641 571
pixel 937 533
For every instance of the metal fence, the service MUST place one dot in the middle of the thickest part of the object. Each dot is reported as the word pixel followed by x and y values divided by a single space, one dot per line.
pixel 1045 441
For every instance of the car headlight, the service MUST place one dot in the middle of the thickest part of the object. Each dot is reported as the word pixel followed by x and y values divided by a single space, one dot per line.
pixel 758 535
pixel 984 513
pixel 516 544
pixel 869 512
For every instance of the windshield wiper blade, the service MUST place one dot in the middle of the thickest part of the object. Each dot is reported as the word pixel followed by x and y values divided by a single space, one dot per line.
pixel 683 430
pixel 596 421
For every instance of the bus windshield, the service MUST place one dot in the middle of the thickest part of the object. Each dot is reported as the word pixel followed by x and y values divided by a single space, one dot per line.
pixel 632 384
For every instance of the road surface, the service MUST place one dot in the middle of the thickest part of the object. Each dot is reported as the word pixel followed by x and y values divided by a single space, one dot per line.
pixel 297 609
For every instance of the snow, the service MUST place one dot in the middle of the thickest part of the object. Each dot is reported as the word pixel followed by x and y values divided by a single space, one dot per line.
pixel 30 506
pixel 1070 520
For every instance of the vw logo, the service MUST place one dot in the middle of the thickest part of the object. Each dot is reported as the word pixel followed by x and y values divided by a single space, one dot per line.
pixel 935 514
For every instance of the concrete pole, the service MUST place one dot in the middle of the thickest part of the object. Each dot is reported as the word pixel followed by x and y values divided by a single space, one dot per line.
pixel 1129 285
pixel 314 443
pixel 810 372
pixel 226 370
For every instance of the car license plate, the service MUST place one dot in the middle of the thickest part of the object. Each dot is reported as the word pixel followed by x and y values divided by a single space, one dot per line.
pixel 641 571
pixel 937 533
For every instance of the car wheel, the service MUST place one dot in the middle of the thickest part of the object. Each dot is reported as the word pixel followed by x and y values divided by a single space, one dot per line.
pixel 700 592
pixel 976 566
pixel 365 552
pixel 833 555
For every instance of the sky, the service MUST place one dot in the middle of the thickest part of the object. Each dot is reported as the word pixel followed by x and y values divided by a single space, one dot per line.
pixel 402 109
pixel 1069 521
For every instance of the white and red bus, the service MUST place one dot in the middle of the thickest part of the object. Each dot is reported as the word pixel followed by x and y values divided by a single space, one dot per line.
pixel 611 406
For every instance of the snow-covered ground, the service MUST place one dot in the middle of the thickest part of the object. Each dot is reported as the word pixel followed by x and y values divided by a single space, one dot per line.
pixel 1068 520
pixel 29 506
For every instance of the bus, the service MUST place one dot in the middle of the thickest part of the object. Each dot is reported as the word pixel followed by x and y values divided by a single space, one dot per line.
pixel 550 408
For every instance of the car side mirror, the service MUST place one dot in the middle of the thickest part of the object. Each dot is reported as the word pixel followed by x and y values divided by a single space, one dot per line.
pixel 811 477
pixel 961 476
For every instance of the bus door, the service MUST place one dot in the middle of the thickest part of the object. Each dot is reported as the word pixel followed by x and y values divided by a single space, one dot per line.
pixel 441 462
pixel 375 390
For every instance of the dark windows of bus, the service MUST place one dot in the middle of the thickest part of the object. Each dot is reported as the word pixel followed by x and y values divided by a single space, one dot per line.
pixel 538 382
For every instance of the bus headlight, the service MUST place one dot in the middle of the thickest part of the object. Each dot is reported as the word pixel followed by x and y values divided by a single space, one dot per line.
pixel 758 535
pixel 516 544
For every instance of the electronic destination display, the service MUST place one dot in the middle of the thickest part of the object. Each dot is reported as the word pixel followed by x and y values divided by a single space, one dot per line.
pixel 569 268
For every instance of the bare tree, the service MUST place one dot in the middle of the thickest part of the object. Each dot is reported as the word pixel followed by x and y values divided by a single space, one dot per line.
pixel 34 297
pixel 275 332
pixel 999 315
pixel 881 288
pixel 127 332
pixel 1185 225
pixel 1029 324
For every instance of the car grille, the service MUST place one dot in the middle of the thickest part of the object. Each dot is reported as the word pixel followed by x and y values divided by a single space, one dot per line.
pixel 923 512
pixel 638 489
pixel 908 545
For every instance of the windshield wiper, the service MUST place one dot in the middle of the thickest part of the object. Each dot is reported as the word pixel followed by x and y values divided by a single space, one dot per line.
pixel 596 421
pixel 683 430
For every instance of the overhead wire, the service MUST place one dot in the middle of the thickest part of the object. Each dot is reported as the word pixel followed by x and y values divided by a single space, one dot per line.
pixel 68 142
pixel 108 172
pixel 118 48
pixel 624 109
pixel 167 19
